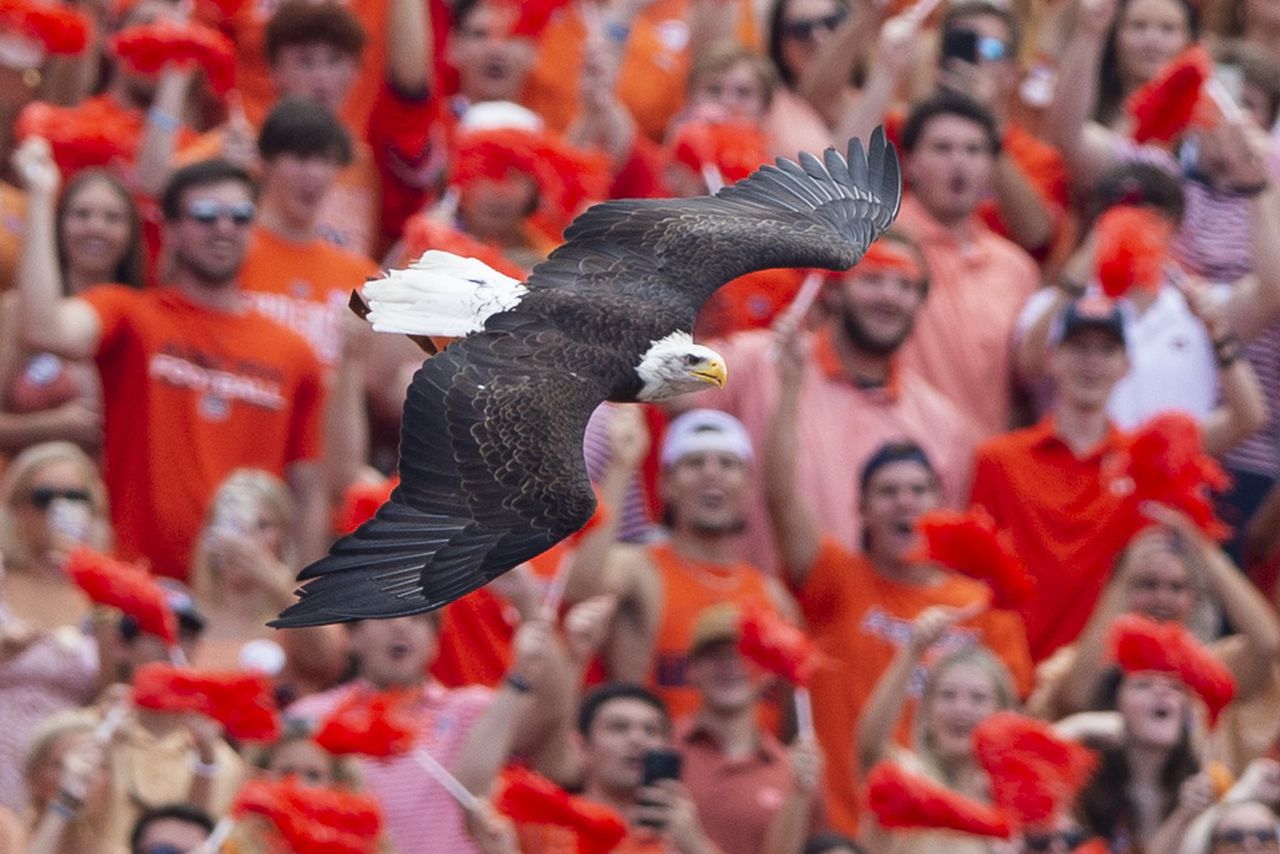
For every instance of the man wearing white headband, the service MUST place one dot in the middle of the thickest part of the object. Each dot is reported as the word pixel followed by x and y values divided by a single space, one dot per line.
pixel 706 458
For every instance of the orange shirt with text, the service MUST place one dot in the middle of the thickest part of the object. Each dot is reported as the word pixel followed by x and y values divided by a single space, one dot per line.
pixel 859 619
pixel 304 286
pixel 191 394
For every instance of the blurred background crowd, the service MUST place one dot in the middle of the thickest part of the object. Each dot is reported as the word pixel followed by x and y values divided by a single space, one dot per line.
pixel 1080 297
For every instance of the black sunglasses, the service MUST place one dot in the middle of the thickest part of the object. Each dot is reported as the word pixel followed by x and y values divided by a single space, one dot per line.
pixel 804 30
pixel 1072 839
pixel 163 848
pixel 1236 837
pixel 207 211
pixel 43 496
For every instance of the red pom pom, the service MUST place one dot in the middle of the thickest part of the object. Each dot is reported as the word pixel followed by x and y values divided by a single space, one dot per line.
pixel 1033 771
pixel 1163 107
pixel 61 29
pixel 80 137
pixel 735 148
pixel 1143 645
pixel 125 587
pixel 906 801
pixel 361 501
pixel 776 646
pixel 369 724
pixel 528 798
pixel 422 232
pixel 1166 462
pixel 149 48
pixel 313 819
pixel 970 544
pixel 1133 244
pixel 352 812
pixel 567 177
pixel 241 702
pixel 534 15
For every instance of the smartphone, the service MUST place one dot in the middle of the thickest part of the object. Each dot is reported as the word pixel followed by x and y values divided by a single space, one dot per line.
pixel 960 44
pixel 661 763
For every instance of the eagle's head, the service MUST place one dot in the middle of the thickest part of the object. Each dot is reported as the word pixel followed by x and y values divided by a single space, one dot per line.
pixel 675 365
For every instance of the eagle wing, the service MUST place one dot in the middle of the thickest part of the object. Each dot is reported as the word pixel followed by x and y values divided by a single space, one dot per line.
pixel 491 471
pixel 814 213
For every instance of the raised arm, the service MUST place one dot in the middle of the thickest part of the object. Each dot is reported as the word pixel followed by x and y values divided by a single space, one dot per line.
pixel 1255 301
pixel 795 528
pixel 1086 145
pixel 410 40
pixel 825 81
pixel 880 716
pixel 895 56
pixel 66 326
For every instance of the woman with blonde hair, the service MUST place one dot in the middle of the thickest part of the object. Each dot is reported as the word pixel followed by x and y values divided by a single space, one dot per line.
pixel 960 690
pixel 69 786
pixel 51 499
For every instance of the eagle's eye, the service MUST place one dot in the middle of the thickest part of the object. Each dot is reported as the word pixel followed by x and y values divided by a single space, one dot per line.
pixel 692 360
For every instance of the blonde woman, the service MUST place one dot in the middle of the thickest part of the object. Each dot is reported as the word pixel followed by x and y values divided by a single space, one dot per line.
pixel 960 690
pixel 69 787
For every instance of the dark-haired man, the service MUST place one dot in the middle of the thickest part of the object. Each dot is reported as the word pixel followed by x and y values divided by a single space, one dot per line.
pixel 194 387
pixel 617 724
pixel 172 829
pixel 963 336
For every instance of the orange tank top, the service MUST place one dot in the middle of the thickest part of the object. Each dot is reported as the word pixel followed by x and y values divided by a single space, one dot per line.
pixel 689 587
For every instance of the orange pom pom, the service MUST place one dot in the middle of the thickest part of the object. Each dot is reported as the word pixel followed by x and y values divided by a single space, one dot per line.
pixel 125 587
pixel 80 137
pixel 776 646
pixel 970 544
pixel 61 29
pixel 149 48
pixel 1163 107
pixel 529 798
pixel 369 724
pixel 1141 645
pixel 735 148
pixel 241 702
pixel 312 818
pixel 1133 245
pixel 906 801
pixel 1165 459
pixel 1033 771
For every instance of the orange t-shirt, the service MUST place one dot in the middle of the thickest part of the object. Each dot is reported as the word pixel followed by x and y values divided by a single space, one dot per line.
pixel 253 70
pixel 859 620
pixel 1067 517
pixel 651 78
pixel 688 588
pixel 190 394
pixel 304 286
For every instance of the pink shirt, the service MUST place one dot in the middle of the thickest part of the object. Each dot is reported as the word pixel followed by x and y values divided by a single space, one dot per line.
pixel 840 425
pixel 422 818
pixel 963 336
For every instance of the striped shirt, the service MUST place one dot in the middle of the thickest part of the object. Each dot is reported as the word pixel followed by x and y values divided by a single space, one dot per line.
pixel 421 817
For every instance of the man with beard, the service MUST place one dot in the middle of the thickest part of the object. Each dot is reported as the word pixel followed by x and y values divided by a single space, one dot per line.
pixel 855 396
pixel 963 338
pixel 860 604
pixel 194 385
pixel 663 587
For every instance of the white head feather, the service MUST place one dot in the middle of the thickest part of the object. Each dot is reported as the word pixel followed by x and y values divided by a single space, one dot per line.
pixel 674 365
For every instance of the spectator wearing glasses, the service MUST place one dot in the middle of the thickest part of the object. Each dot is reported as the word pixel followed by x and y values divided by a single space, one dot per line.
pixel 194 387
pixel 1246 826
pixel 799 30
pixel 97 239
pixel 170 829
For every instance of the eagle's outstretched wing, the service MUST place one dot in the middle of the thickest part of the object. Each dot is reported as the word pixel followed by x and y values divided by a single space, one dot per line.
pixel 491 475
pixel 814 213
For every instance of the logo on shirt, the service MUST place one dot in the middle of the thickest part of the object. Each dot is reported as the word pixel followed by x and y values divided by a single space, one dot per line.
pixel 318 322
pixel 897 631
pixel 218 382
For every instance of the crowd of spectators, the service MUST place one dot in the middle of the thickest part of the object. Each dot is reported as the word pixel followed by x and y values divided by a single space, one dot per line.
pixel 183 387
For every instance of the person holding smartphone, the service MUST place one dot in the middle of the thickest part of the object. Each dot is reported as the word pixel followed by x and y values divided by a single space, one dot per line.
pixel 628 765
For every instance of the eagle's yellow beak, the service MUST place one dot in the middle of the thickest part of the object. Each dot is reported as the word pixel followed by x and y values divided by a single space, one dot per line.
pixel 715 373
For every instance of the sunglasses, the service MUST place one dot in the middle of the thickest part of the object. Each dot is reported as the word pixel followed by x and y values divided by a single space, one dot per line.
pixel 163 848
pixel 1038 842
pixel 207 212
pixel 1236 837
pixel 43 496
pixel 804 30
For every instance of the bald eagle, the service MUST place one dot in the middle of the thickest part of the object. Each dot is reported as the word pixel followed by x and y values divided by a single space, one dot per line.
pixel 491 463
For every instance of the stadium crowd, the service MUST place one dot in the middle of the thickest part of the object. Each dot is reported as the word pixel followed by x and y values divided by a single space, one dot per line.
pixel 1065 354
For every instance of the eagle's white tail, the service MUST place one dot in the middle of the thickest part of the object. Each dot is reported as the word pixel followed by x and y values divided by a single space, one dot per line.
pixel 441 294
